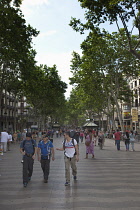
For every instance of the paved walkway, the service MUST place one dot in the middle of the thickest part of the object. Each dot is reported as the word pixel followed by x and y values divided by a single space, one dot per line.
pixel 111 181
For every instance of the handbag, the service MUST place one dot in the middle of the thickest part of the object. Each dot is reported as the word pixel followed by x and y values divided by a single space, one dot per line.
pixel 1 151
pixel 87 143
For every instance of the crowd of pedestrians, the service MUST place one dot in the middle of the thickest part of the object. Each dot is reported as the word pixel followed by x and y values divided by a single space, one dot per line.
pixel 40 144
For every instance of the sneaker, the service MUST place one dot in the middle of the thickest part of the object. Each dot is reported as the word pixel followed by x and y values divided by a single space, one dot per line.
pixel 25 184
pixel 74 177
pixel 67 183
pixel 29 178
pixel 22 161
pixel 45 181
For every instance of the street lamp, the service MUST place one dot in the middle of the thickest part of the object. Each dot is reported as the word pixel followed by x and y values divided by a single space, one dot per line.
pixel 5 114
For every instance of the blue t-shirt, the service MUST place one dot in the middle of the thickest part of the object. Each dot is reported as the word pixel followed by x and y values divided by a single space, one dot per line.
pixel 28 146
pixel 45 147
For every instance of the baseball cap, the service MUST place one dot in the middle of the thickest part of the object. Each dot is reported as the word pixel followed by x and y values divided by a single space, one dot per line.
pixel 45 136
pixel 28 135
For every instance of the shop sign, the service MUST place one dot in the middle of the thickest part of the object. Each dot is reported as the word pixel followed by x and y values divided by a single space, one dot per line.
pixel 134 115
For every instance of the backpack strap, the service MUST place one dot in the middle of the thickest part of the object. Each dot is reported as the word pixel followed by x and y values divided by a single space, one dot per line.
pixel 73 142
pixel 74 146
pixel 64 144
pixel 33 145
pixel 24 141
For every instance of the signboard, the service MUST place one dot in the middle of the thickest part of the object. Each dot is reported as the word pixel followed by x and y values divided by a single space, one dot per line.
pixel 34 127
pixel 134 115
pixel 126 114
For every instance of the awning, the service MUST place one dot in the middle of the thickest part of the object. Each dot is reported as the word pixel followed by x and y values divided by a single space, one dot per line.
pixel 90 124
pixel 55 125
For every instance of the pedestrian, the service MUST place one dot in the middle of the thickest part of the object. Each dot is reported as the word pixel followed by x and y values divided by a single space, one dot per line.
pixel 39 135
pixel 9 141
pixel 18 136
pixel 4 140
pixel 81 136
pixel 101 139
pixel 45 151
pixel 127 140
pixel 95 137
pixel 76 136
pixel 23 135
pixel 71 155
pixel 34 135
pixel 60 132
pixel 28 149
pixel 89 144
pixel 117 136
pixel 15 137
pixel 132 140
pixel 57 133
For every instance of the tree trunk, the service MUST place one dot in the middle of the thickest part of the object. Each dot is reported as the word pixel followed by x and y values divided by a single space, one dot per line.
pixel 15 120
pixel 119 112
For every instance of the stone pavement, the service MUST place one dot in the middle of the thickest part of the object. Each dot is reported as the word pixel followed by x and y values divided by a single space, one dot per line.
pixel 111 181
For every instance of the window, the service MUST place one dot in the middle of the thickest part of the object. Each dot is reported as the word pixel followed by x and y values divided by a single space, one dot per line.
pixel 125 107
pixel 135 83
pixel 136 102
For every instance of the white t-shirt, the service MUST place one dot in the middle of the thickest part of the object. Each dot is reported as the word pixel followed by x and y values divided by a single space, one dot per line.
pixel 9 137
pixel 69 148
pixel 4 136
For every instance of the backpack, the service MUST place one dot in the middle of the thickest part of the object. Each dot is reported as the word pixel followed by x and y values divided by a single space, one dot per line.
pixel 72 133
pixel 100 139
pixel 72 143
pixel 32 144
pixel 41 141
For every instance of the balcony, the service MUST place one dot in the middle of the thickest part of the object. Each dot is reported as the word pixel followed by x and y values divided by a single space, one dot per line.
pixel 135 105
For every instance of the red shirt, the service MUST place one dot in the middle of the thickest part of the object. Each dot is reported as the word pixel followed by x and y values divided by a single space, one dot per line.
pixel 117 135
pixel 93 132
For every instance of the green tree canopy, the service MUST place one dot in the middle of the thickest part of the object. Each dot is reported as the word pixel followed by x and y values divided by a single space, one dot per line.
pixel 113 11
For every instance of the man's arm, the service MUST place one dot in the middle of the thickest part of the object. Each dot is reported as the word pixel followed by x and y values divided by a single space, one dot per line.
pixel 34 153
pixel 77 152
pixel 22 152
pixel 60 149
pixel 38 154
pixel 52 149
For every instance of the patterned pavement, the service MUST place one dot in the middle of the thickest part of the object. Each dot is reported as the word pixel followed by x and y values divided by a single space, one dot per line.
pixel 111 181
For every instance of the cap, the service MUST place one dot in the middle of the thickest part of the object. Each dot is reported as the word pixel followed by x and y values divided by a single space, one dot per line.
pixel 45 136
pixel 28 135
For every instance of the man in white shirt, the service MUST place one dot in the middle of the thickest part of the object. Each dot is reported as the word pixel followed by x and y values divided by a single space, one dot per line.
pixel 71 155
pixel 4 140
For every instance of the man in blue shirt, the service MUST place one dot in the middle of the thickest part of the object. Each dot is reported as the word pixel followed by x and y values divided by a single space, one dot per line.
pixel 45 150
pixel 28 149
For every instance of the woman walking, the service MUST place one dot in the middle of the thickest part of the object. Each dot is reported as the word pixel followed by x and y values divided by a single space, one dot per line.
pixel 89 144
pixel 132 140
pixel 127 141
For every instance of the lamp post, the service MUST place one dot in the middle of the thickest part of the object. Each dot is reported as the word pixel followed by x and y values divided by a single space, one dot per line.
pixel 5 114
pixel 102 122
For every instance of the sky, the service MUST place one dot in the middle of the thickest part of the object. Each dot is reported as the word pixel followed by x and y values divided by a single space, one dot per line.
pixel 57 40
